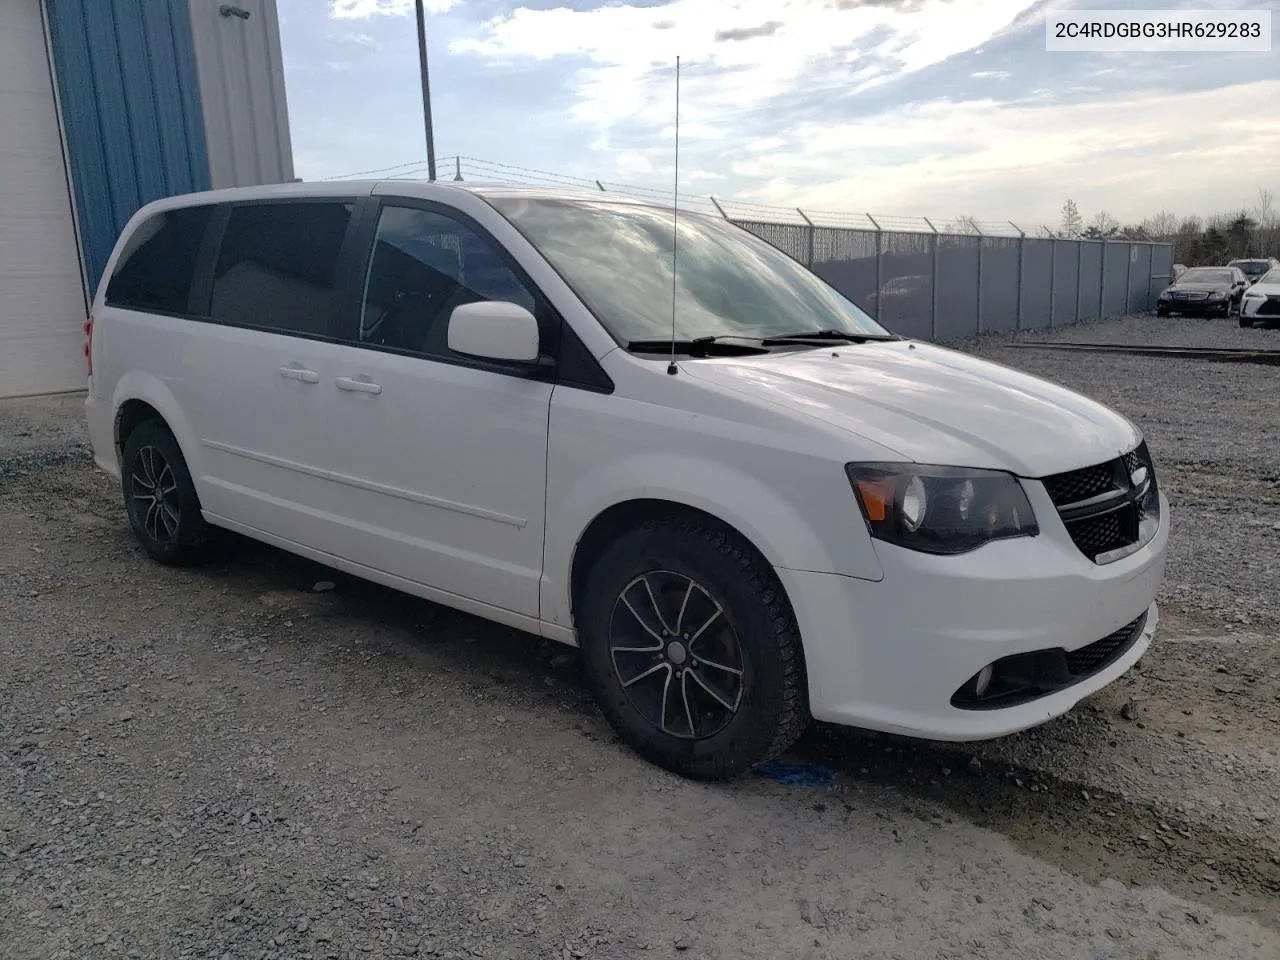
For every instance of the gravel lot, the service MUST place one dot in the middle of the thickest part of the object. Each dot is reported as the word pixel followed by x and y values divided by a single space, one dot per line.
pixel 228 763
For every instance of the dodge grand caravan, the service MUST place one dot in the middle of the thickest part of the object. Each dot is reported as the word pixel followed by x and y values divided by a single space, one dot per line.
pixel 745 502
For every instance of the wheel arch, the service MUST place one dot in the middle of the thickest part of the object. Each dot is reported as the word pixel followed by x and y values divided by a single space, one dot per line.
pixel 139 397
pixel 615 520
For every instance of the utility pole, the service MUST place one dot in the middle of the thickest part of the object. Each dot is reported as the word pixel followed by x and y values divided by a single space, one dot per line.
pixel 426 91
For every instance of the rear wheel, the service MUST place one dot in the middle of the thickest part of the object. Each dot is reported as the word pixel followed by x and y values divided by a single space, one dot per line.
pixel 160 497
pixel 692 650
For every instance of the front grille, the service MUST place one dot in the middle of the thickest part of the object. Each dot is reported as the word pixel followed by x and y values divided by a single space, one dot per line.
pixel 1101 507
pixel 1077 485
pixel 1097 655
pixel 1099 535
pixel 1271 308
pixel 1024 677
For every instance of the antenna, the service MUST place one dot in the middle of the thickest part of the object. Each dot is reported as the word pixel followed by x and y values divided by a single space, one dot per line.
pixel 675 226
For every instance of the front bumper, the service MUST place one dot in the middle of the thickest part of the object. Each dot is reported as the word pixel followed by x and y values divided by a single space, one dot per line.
pixel 1259 309
pixel 889 655
pixel 1195 306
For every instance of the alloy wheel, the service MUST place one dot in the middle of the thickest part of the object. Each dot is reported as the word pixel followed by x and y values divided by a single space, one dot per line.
pixel 154 489
pixel 676 655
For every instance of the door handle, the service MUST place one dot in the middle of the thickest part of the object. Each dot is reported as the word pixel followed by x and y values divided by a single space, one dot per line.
pixel 300 373
pixel 355 385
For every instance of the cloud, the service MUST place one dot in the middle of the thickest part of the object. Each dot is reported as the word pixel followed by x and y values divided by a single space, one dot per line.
pixel 364 9
pixel 1122 154
pixel 815 48
pixel 749 33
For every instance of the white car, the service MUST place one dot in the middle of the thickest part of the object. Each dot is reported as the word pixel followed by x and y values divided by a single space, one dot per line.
pixel 1261 302
pixel 474 396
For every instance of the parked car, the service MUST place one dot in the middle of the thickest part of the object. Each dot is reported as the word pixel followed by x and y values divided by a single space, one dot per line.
pixel 1176 271
pixel 1205 291
pixel 1261 302
pixel 1254 268
pixel 475 396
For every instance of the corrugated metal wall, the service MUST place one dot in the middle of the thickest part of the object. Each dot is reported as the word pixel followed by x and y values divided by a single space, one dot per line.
pixel 241 73
pixel 131 111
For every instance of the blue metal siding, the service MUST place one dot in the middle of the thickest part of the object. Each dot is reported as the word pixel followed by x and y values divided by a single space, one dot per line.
pixel 130 108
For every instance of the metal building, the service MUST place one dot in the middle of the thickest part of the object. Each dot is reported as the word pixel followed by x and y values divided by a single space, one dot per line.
pixel 104 106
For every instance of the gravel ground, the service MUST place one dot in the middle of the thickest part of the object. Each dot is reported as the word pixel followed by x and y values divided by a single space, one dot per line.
pixel 227 763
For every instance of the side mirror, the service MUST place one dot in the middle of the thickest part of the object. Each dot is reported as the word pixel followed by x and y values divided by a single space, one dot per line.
pixel 494 330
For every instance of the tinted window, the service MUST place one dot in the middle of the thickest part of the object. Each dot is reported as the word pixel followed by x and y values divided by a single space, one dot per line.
pixel 155 268
pixel 278 265
pixel 424 264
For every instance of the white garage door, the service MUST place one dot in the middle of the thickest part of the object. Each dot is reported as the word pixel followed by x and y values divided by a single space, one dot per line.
pixel 42 305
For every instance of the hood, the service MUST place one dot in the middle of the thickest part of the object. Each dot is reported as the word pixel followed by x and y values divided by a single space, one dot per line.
pixel 1200 287
pixel 933 405
pixel 1265 289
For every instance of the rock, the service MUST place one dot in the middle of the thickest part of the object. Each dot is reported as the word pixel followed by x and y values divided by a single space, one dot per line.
pixel 975 765
pixel 682 943
pixel 1129 710
pixel 812 914
pixel 1113 885
pixel 323 586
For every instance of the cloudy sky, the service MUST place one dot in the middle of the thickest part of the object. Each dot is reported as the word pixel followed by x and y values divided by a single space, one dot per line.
pixel 938 108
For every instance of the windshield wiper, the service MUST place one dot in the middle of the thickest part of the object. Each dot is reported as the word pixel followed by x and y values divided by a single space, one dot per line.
pixel 842 335
pixel 699 346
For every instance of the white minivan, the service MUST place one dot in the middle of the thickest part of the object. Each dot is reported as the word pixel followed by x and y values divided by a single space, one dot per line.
pixel 782 512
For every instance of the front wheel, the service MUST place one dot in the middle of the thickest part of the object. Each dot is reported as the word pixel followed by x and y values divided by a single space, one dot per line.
pixel 692 650
pixel 160 497
pixel 1161 312
pixel 1246 321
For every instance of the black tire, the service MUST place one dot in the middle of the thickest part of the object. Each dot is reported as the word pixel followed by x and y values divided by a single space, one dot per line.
pixel 171 529
pixel 754 633
pixel 1161 312
pixel 1246 321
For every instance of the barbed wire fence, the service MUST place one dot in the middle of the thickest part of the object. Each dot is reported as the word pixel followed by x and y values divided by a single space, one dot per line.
pixel 934 278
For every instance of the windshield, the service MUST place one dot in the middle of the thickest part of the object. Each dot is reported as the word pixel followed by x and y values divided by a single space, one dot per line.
pixel 1251 268
pixel 1203 275
pixel 1271 276
pixel 617 258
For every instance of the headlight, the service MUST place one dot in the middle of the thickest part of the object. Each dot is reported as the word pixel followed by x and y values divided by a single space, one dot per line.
pixel 1216 295
pixel 940 510
pixel 1166 294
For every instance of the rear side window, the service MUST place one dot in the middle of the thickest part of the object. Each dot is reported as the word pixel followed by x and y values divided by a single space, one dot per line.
pixel 155 268
pixel 278 264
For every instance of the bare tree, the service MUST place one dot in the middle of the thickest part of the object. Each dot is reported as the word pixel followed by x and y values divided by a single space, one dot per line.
pixel 965 225
pixel 1104 223
pixel 1162 225
pixel 1265 211
pixel 1071 221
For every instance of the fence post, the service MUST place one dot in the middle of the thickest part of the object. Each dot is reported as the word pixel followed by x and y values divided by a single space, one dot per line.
pixel 1053 278
pixel 1102 283
pixel 933 285
pixel 1022 244
pixel 809 223
pixel 1079 273
pixel 1128 276
pixel 601 186
pixel 879 258
pixel 981 244
pixel 719 208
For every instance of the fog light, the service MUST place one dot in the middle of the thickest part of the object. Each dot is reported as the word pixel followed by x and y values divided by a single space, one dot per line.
pixel 983 680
